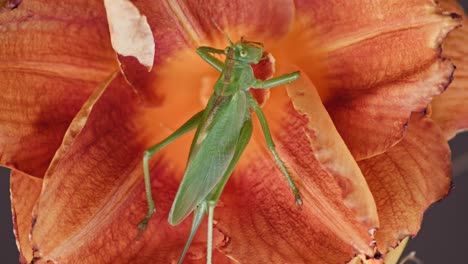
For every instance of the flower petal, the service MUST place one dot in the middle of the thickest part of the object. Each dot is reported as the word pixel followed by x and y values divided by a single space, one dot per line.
pixel 95 195
pixel 257 214
pixel 408 178
pixel 384 113
pixel 331 152
pixel 130 33
pixel 50 65
pixel 383 46
pixel 24 191
pixel 450 110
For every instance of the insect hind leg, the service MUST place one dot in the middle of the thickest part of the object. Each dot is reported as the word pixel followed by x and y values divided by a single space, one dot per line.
pixel 200 212
pixel 185 128
pixel 271 146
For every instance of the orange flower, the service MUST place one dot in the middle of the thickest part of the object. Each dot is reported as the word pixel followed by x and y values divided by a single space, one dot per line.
pixel 74 133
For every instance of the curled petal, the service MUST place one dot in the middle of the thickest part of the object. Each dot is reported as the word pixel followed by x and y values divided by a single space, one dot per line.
pixel 45 81
pixel 450 110
pixel 370 53
pixel 387 109
pixel 130 33
pixel 331 152
pixel 78 123
pixel 391 257
pixel 25 191
pixel 408 178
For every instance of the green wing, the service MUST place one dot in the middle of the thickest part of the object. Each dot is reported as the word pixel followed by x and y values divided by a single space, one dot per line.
pixel 211 152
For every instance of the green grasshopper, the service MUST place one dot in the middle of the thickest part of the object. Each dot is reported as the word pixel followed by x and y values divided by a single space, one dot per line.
pixel 224 129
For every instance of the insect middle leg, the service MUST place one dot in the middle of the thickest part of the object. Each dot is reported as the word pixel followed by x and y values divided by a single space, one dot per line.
pixel 185 128
pixel 271 146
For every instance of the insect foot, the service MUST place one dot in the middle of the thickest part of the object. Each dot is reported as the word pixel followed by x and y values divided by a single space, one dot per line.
pixel 142 225
pixel 299 202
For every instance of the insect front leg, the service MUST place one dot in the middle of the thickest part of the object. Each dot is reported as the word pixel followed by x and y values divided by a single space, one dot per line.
pixel 185 128
pixel 271 146
pixel 205 53
pixel 280 80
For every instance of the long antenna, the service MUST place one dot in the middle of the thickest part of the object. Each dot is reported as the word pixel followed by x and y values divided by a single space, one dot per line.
pixel 224 33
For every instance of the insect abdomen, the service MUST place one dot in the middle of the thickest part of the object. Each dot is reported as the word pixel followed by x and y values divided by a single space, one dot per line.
pixel 211 155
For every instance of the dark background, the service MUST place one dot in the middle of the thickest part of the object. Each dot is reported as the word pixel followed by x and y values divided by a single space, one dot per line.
pixel 443 237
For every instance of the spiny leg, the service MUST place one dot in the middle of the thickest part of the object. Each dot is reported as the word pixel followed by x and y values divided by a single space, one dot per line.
pixel 271 146
pixel 185 128
pixel 198 215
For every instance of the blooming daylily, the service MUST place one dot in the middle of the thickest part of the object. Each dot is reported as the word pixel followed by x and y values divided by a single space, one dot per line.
pixel 355 130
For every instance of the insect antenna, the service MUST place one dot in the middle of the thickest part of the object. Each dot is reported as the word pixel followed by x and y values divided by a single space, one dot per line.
pixel 224 33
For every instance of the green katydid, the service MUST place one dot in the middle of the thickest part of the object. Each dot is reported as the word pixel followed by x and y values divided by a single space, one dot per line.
pixel 224 129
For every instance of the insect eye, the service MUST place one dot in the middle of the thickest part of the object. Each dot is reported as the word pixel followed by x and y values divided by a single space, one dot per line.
pixel 243 53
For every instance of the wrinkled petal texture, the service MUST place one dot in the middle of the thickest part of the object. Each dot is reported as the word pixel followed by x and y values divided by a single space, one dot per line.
pixel 385 53
pixel 106 156
pixel 450 110
pixel 52 56
pixel 407 179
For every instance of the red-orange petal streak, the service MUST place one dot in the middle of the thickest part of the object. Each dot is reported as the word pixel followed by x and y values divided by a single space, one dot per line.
pixel 450 110
pixel 52 55
pixel 408 178
pixel 24 191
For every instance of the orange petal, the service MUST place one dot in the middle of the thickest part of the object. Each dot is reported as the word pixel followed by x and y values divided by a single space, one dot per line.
pixel 450 110
pixel 330 150
pixel 257 213
pixel 382 47
pixel 95 195
pixel 384 113
pixel 408 178
pixel 25 192
pixel 50 65
pixel 130 33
